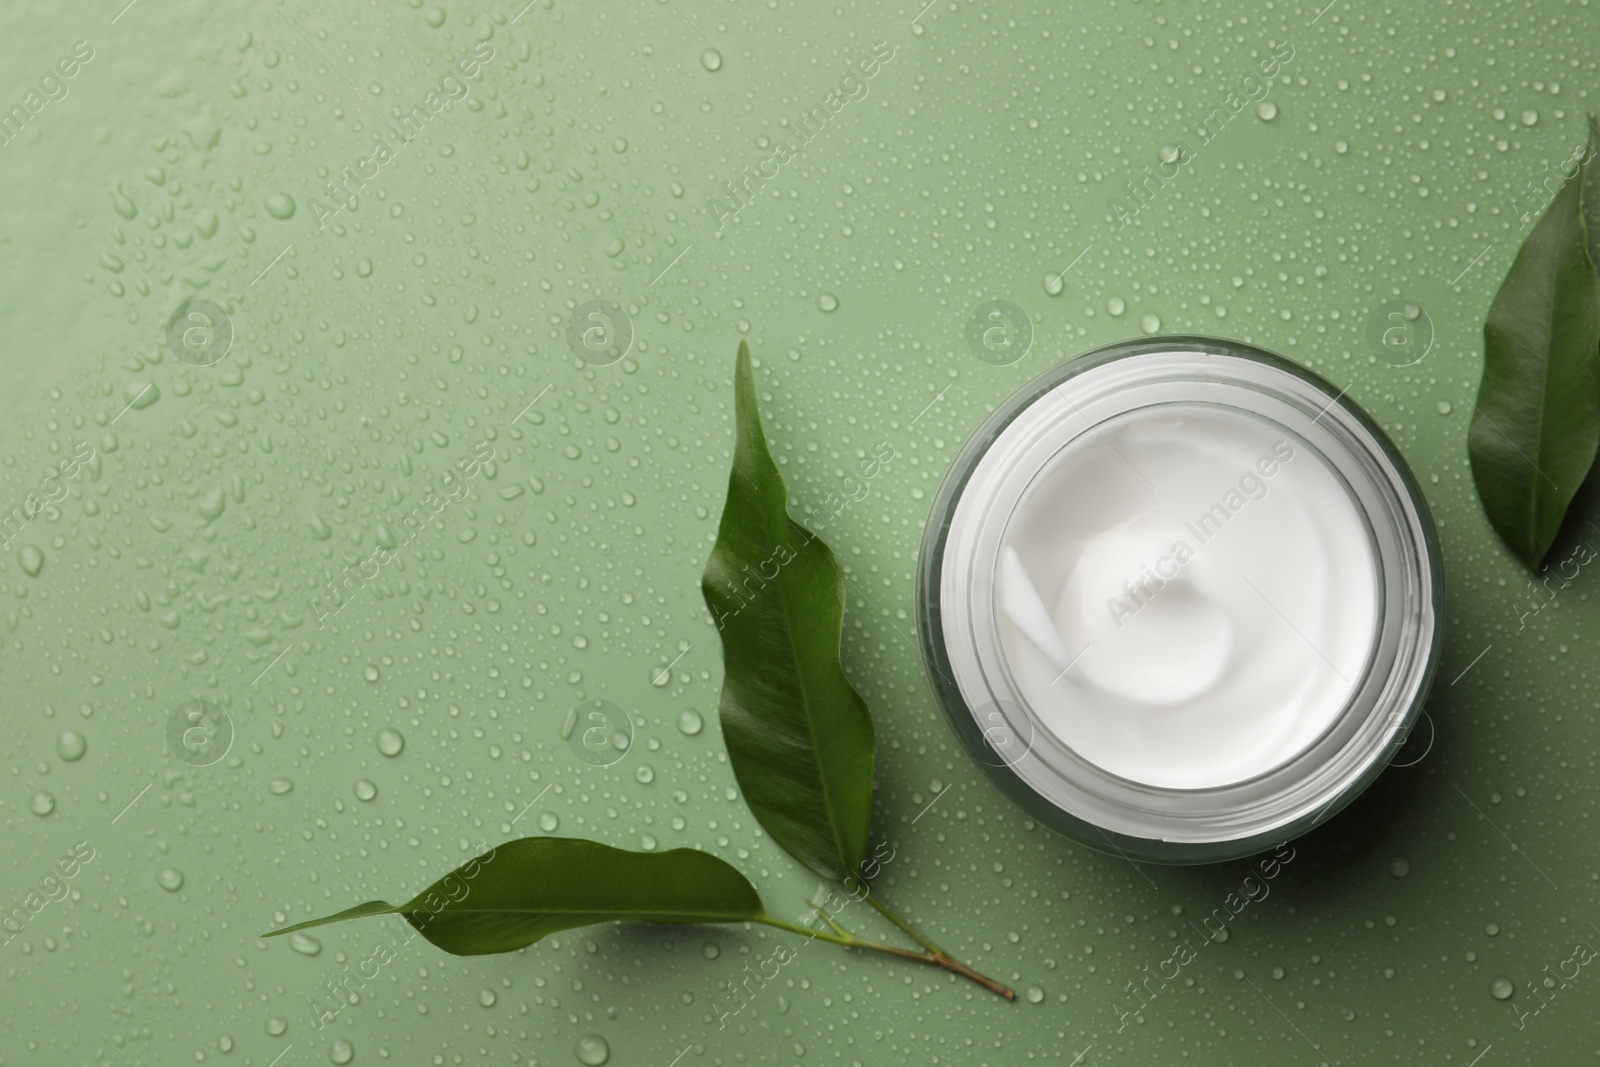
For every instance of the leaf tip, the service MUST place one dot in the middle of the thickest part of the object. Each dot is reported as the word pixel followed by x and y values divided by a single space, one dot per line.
pixel 744 368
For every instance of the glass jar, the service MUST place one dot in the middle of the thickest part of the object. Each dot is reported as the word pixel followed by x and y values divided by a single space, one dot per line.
pixel 1234 571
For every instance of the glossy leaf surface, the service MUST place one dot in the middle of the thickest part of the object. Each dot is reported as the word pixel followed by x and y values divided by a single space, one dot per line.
pixel 798 734
pixel 527 889
pixel 1537 423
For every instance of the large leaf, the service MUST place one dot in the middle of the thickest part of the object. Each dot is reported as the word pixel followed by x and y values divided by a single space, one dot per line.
pixel 527 889
pixel 1534 435
pixel 1591 191
pixel 799 735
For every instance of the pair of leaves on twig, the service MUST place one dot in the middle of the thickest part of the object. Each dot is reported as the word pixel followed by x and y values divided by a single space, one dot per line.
pixel 798 734
pixel 1537 425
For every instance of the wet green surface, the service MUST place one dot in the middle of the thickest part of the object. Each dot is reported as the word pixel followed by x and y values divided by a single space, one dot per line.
pixel 380 341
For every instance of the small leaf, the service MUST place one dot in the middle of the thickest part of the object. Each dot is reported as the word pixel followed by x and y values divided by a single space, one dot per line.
pixel 527 889
pixel 1537 425
pixel 798 734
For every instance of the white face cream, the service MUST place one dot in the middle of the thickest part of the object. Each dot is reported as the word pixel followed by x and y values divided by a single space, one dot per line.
pixel 1186 596
pixel 1179 599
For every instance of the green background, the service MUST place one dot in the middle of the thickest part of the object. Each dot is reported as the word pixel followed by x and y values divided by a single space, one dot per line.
pixel 419 323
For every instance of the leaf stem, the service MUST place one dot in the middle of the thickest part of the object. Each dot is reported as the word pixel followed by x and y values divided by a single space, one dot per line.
pixel 829 919
pixel 910 931
pixel 940 958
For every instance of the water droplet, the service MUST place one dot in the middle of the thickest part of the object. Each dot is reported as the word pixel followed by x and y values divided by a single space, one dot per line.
pixel 42 803
pixel 1443 407
pixel 1500 987
pixel 1267 110
pixel 548 823
pixel 1116 305
pixel 280 205
pixel 711 950
pixel 935 786
pixel 1277 974
pixel 1492 929
pixel 139 395
pixel 1035 995
pixel 342 1051
pixel 1053 285
pixel 644 774
pixel 170 879
pixel 1529 117
pixel 279 786
pixel 593 1051
pixel 71 745
pixel 32 560
pixel 690 723
pixel 486 997
pixel 1399 866
pixel 365 790
pixel 212 505
pixel 371 673
pixel 711 59
pixel 1150 323
pixel 277 1027
pixel 390 742
pixel 828 302
pixel 305 945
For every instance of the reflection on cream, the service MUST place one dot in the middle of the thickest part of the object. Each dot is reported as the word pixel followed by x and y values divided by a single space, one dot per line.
pixel 1186 597
pixel 1138 591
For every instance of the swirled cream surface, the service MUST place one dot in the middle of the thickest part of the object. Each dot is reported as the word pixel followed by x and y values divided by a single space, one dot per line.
pixel 1187 596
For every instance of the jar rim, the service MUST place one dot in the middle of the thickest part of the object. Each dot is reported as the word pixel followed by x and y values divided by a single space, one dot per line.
pixel 1084 801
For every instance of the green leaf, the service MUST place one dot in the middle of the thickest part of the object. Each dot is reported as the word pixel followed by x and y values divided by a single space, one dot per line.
pixel 1591 191
pixel 1537 425
pixel 527 889
pixel 799 736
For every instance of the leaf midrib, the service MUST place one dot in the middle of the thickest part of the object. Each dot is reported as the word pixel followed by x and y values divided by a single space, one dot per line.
pixel 406 910
pixel 1538 493
pixel 828 801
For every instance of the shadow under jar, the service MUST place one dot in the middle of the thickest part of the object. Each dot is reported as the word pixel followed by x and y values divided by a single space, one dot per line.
pixel 1180 598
